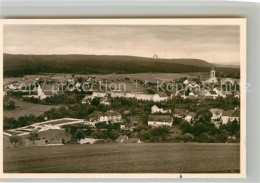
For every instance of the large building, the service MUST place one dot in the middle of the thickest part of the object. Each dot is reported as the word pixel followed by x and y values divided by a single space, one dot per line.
pixel 213 79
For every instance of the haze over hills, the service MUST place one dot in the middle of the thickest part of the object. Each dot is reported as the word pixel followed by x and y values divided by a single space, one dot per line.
pixel 19 65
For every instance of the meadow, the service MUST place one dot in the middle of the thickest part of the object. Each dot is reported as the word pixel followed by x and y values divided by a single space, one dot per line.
pixel 125 158
pixel 26 108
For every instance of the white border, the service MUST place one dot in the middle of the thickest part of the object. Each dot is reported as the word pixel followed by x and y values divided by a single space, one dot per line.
pixel 196 21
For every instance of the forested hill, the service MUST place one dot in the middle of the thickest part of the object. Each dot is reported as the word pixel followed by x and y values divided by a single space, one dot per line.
pixel 19 65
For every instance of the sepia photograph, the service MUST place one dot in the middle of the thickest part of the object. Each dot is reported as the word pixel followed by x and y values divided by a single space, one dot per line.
pixel 123 98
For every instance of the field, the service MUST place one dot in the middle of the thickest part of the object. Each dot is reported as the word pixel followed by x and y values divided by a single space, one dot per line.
pixel 125 158
pixel 26 108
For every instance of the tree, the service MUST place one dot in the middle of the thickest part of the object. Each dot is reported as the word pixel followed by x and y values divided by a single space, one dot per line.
pixel 204 115
pixel 185 127
pixel 223 136
pixel 15 139
pixel 34 136
pixel 79 135
pixel 95 101
pixel 113 134
pixel 199 128
pixel 145 135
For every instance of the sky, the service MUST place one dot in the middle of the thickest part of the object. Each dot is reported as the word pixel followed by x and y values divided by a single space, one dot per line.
pixel 214 44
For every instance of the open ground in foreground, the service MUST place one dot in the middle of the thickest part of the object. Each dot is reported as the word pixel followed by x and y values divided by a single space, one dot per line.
pixel 125 158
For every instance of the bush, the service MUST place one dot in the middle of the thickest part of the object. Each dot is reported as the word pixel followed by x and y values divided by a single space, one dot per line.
pixel 187 137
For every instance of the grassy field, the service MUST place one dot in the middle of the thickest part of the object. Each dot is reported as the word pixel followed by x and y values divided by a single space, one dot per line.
pixel 26 108
pixel 124 158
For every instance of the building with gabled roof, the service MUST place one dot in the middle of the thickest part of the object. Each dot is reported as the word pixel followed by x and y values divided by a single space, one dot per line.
pixel 179 113
pixel 160 120
pixel 230 115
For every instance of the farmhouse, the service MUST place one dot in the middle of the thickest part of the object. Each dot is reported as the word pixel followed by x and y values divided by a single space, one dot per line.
pixel 230 115
pixel 160 120
pixel 158 110
pixel 114 116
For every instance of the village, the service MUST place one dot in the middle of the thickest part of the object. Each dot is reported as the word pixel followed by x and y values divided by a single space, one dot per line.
pixel 202 110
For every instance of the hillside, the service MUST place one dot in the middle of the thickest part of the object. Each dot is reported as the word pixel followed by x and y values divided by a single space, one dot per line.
pixel 19 65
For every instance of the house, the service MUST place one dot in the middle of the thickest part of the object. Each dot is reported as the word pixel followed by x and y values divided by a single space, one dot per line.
pixel 203 93
pixel 47 90
pixel 139 96
pixel 92 96
pixel 212 94
pixel 98 94
pixel 110 116
pixel 186 82
pixel 225 94
pixel 115 94
pixel 122 127
pixel 98 117
pixel 160 120
pixel 216 114
pixel 190 116
pixel 71 80
pixel 156 109
pixel 191 97
pixel 125 139
pixel 87 141
pixel 230 115
pixel 160 96
pixel 113 116
pixel 105 101
pixel 121 139
pixel 227 81
pixel 237 94
pixel 180 113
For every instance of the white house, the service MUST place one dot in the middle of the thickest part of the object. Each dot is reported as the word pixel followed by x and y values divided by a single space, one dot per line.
pixel 156 109
pixel 160 120
pixel 110 116
pixel 87 141
pixel 186 82
pixel 190 116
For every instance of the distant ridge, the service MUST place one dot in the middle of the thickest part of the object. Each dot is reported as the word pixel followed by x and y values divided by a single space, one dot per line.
pixel 19 65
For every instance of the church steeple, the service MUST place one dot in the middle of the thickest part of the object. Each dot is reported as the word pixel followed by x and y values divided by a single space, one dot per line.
pixel 212 72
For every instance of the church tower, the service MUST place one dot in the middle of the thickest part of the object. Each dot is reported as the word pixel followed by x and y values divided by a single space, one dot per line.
pixel 212 72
